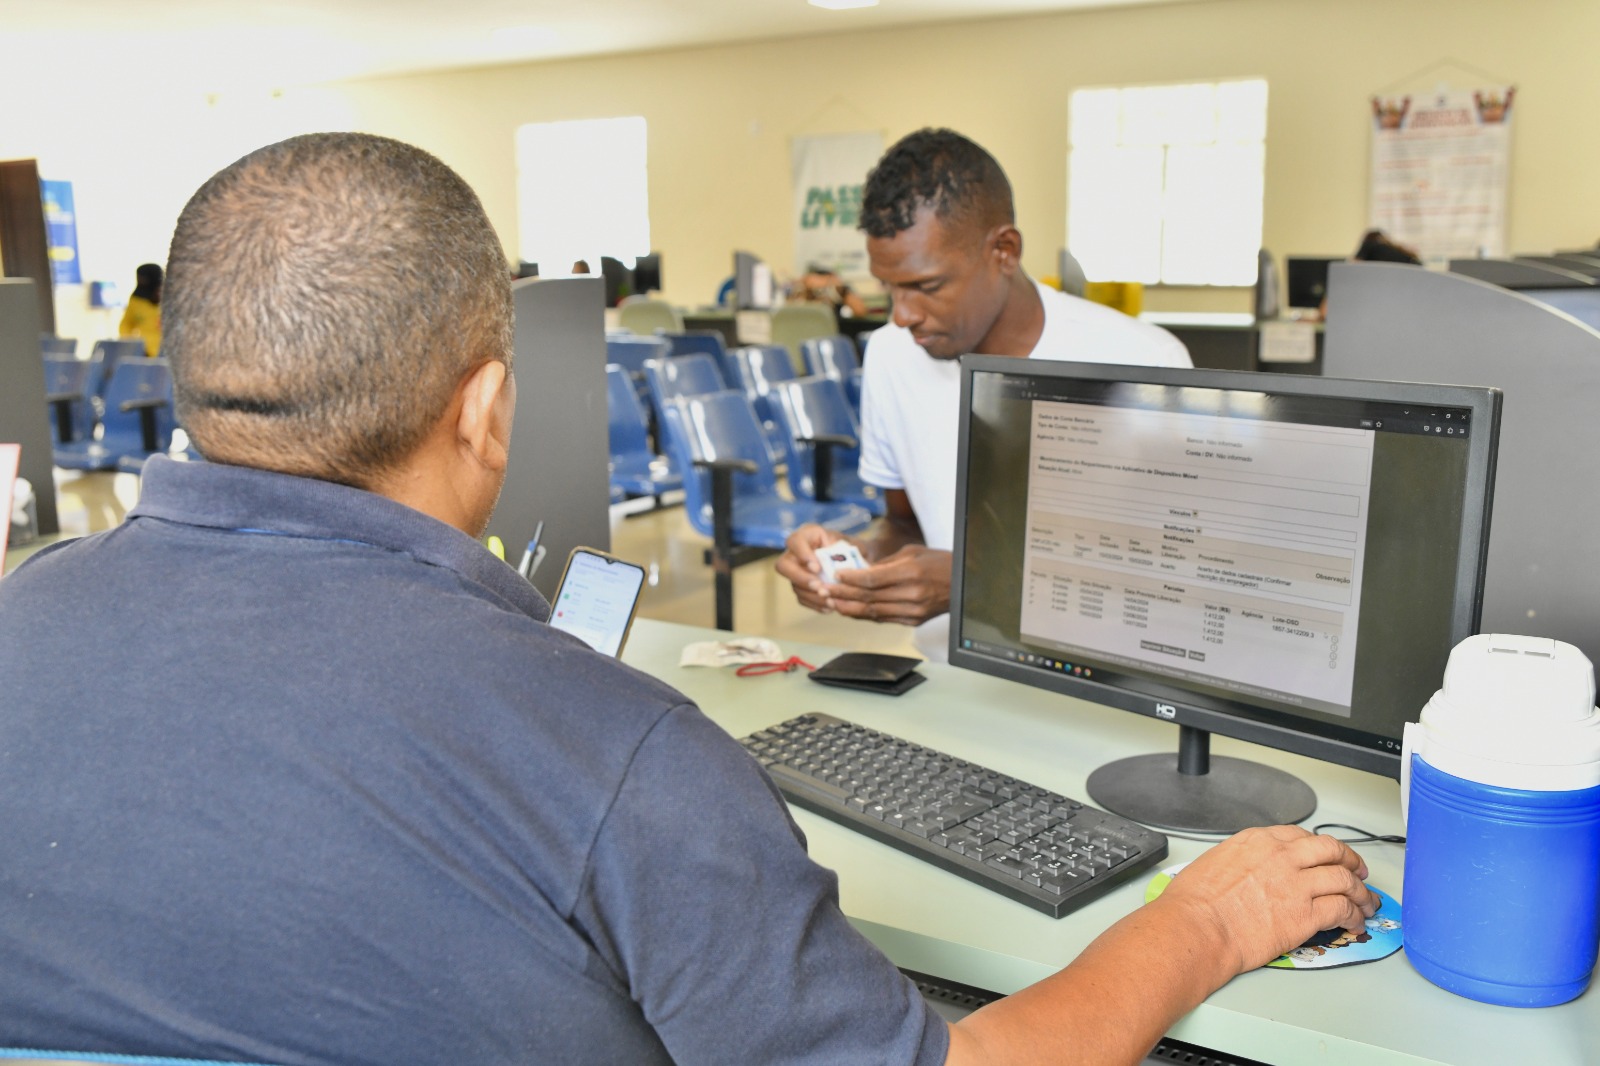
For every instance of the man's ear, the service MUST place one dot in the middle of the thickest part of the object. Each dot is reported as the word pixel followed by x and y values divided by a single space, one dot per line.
pixel 1005 244
pixel 487 402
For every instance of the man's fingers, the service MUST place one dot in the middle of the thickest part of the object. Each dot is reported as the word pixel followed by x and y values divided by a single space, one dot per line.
pixel 1337 881
pixel 1339 912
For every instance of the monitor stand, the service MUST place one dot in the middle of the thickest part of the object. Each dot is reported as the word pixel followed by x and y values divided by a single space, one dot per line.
pixel 1192 791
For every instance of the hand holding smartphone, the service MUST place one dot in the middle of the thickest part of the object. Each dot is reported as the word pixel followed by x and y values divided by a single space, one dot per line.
pixel 597 598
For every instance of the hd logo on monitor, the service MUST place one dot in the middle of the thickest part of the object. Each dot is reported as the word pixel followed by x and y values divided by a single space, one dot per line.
pixel 1166 710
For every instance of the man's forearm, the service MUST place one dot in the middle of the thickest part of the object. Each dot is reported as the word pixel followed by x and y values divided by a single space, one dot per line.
pixel 1109 1006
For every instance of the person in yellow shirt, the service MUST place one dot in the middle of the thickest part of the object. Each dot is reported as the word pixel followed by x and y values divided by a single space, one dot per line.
pixel 142 319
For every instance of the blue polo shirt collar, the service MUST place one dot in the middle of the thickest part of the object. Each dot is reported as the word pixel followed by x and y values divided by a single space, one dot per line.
pixel 245 500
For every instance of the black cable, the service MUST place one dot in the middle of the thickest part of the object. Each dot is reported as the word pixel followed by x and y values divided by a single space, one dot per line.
pixel 1365 837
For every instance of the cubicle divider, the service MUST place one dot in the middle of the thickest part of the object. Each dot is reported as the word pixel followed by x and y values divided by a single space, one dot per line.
pixel 24 417
pixel 1399 323
pixel 1522 273
pixel 557 470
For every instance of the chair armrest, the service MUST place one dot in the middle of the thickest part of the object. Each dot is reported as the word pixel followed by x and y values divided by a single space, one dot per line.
pixel 737 466
pixel 822 460
pixel 837 440
pixel 63 397
pixel 147 409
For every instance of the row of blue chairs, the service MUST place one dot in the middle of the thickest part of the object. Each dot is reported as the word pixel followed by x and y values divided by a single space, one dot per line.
pixel 113 410
pixel 810 420
pixel 753 369
pixel 724 454
pixel 830 357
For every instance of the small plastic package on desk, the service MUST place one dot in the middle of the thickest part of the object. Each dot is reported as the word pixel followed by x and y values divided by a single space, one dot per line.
pixel 735 652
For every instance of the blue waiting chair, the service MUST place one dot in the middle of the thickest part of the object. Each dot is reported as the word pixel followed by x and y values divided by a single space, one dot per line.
pixel 758 369
pixel 830 357
pixel 823 443
pixel 635 468
pixel 683 375
pixel 731 487
pixel 103 360
pixel 704 342
pixel 852 389
pixel 631 351
pixel 50 344
pixel 66 390
pixel 137 422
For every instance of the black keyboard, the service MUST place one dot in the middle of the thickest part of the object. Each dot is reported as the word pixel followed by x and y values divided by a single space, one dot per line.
pixel 1025 842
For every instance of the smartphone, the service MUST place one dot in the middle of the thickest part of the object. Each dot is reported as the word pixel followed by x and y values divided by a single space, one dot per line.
pixel 597 598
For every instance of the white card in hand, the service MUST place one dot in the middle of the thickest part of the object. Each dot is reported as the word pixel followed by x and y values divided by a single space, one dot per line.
pixel 840 555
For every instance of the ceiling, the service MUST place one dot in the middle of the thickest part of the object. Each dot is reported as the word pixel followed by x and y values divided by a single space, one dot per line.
pixel 216 45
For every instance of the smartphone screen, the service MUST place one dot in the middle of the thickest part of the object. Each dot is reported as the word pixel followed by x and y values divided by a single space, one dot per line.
pixel 596 599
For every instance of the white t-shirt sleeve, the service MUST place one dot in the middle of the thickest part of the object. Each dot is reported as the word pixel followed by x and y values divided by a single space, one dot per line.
pixel 878 466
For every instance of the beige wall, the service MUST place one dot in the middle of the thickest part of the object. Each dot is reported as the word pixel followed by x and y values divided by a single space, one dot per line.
pixel 720 119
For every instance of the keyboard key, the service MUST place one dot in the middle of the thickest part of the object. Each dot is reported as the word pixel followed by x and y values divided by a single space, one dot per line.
pixel 1008 864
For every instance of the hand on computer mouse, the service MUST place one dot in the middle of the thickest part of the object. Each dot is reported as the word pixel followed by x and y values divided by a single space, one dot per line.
pixel 1265 891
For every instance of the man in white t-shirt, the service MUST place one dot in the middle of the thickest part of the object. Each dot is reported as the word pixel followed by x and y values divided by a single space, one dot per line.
pixel 942 238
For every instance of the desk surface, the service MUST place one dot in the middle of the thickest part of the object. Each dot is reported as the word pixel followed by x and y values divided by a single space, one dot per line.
pixel 1379 1013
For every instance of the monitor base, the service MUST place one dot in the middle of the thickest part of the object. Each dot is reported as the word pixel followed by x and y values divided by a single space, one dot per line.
pixel 1233 795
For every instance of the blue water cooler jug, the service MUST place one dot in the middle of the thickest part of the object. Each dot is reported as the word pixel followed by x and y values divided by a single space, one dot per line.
pixel 1500 789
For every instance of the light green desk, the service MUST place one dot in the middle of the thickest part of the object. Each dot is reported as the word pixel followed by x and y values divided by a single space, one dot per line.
pixel 929 920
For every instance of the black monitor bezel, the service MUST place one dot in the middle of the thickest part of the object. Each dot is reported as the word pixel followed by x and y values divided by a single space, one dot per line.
pixel 1322 263
pixel 1484 405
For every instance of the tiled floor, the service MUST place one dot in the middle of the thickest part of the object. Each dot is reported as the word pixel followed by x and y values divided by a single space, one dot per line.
pixel 660 540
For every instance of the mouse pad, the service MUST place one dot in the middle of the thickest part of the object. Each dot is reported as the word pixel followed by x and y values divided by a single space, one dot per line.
pixel 1382 937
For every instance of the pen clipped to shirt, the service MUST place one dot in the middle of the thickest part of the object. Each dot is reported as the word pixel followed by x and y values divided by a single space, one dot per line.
pixel 533 555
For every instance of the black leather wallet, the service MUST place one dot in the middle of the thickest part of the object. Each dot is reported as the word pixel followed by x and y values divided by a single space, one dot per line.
pixel 870 672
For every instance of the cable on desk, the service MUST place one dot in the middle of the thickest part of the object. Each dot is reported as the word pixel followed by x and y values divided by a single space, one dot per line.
pixel 1365 837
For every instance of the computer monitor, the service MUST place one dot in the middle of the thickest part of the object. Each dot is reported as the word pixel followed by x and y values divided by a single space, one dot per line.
pixel 1307 279
pixel 1282 559
pixel 647 273
pixel 752 283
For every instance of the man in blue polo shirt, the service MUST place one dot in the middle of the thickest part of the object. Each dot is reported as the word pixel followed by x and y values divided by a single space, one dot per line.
pixel 292 770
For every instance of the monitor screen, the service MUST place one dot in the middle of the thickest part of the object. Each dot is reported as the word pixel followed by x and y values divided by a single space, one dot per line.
pixel 1279 558
pixel 1306 279
pixel 647 274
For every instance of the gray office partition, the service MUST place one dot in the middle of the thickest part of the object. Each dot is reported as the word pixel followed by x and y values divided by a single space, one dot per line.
pixel 24 418
pixel 559 448
pixel 1521 273
pixel 1404 324
pixel 1586 265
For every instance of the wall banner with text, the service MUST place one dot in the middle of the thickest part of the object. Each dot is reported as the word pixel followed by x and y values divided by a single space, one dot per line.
pixel 61 232
pixel 1440 171
pixel 829 172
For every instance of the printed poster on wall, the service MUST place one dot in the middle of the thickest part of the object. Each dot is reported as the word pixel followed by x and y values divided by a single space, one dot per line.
pixel 61 232
pixel 829 172
pixel 1440 171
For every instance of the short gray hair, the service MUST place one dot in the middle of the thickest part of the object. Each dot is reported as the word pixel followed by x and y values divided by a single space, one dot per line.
pixel 324 298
